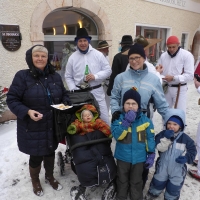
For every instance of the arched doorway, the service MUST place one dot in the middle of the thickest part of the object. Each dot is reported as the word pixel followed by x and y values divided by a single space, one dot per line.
pixel 87 8
pixel 196 46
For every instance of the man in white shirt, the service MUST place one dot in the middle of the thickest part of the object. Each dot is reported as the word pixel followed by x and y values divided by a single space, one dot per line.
pixel 178 70
pixel 99 70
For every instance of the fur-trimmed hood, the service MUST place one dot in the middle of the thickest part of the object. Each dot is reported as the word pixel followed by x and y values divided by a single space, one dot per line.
pixel 49 69
pixel 90 108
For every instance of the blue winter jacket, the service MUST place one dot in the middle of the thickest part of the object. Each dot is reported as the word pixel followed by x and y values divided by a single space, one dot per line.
pixel 135 142
pixel 27 92
pixel 182 145
pixel 148 86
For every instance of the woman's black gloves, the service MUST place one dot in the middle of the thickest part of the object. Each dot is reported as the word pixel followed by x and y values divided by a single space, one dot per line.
pixel 115 116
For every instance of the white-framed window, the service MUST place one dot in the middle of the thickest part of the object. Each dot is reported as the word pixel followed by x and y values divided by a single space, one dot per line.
pixel 154 32
pixel 184 40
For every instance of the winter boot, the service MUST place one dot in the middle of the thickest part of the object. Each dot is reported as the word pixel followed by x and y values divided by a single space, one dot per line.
pixel 194 174
pixel 78 193
pixel 49 166
pixel 149 196
pixel 34 173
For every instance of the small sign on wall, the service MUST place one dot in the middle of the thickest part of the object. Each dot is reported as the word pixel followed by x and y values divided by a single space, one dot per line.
pixel 10 37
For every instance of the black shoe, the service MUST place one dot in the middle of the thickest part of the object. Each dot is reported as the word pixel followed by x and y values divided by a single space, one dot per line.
pixel 78 193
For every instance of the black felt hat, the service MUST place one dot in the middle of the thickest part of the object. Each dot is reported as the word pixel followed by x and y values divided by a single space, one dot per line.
pixel 127 39
pixel 82 33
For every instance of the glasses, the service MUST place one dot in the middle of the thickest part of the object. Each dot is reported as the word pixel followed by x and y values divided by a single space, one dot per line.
pixel 131 104
pixel 136 59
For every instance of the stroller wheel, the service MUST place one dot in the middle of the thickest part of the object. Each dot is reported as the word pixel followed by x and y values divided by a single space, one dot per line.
pixel 78 193
pixel 61 164
pixel 110 192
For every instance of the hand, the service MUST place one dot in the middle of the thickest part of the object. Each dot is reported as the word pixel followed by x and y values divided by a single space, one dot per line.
pixel 169 134
pixel 181 159
pixel 150 160
pixel 89 77
pixel 168 78
pixel 115 116
pixel 34 115
pixel 129 118
pixel 159 68
pixel 196 83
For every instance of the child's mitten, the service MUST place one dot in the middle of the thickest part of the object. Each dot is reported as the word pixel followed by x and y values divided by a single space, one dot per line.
pixel 129 118
pixel 169 134
pixel 150 160
pixel 71 129
pixel 181 159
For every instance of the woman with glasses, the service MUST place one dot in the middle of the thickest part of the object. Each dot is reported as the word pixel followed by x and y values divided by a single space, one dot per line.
pixel 147 84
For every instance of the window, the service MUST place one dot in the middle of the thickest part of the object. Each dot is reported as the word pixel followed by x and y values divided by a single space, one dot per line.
pixel 184 40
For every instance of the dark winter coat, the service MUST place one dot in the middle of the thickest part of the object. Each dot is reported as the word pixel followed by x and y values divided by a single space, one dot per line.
pixel 119 65
pixel 29 91
pixel 89 160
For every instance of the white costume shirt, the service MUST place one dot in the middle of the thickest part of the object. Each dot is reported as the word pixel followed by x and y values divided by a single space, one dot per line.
pixel 174 66
pixel 98 66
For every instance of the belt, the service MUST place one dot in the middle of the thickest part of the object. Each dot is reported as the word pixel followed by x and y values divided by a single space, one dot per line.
pixel 177 85
pixel 89 88
pixel 95 87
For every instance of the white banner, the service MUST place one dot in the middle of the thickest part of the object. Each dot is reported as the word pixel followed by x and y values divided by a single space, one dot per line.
pixel 190 5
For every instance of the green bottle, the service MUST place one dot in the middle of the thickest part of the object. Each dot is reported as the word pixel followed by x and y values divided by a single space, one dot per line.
pixel 86 72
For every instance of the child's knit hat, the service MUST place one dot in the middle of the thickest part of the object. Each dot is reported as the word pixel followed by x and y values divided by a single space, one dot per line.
pixel 177 120
pixel 132 94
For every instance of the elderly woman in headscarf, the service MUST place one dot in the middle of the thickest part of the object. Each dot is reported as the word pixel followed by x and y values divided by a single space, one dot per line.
pixel 30 97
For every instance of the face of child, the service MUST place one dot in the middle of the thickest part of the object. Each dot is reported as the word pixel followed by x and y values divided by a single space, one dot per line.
pixel 173 126
pixel 130 104
pixel 87 116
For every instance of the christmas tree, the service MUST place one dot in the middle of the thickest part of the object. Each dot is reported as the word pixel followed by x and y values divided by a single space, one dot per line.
pixel 3 93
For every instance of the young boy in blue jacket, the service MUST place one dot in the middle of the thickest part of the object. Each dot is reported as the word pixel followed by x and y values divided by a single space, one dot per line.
pixel 175 149
pixel 135 147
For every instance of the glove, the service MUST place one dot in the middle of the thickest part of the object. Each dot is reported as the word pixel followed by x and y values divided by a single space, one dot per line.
pixel 71 129
pixel 129 118
pixel 181 159
pixel 115 116
pixel 67 103
pixel 169 134
pixel 150 160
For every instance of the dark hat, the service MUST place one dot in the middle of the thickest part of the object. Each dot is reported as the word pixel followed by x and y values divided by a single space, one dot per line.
pixel 141 40
pixel 177 120
pixel 102 45
pixel 132 94
pixel 127 39
pixel 82 33
pixel 137 49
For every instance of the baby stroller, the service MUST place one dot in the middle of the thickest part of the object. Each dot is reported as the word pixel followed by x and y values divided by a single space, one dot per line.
pixel 90 155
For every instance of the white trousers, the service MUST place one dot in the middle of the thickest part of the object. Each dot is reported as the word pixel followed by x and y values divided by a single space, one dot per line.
pixel 171 97
pixel 198 147
pixel 100 97
pixel 107 98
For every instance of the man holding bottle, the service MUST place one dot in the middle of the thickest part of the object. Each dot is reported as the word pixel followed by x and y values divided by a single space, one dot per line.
pixel 98 66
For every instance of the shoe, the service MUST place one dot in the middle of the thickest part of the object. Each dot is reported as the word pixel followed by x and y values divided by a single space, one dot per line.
pixel 195 162
pixel 110 192
pixel 78 193
pixel 194 174
pixel 149 197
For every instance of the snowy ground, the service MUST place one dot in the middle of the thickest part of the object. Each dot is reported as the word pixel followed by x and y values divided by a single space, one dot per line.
pixel 14 175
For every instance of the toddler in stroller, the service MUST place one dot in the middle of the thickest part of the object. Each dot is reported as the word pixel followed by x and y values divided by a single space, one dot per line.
pixel 89 140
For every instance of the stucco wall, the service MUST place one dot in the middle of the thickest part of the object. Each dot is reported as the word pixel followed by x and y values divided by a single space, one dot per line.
pixel 122 16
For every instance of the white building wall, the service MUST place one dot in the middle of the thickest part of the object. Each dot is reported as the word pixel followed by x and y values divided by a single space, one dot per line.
pixel 122 15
